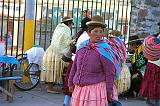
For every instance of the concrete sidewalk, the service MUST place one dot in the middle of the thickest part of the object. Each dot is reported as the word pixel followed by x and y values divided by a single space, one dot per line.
pixel 39 97
pixel 33 98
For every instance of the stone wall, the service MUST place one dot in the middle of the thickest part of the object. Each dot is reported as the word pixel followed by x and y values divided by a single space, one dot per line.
pixel 144 16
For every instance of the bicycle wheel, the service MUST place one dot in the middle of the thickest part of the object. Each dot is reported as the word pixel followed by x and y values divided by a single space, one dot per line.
pixel 30 74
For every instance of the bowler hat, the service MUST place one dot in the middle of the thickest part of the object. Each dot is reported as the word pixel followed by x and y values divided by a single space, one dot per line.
pixel 115 33
pixel 66 18
pixel 135 39
pixel 96 21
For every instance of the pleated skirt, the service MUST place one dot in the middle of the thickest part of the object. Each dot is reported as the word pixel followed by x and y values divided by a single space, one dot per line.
pixel 91 95
pixel 52 67
pixel 150 86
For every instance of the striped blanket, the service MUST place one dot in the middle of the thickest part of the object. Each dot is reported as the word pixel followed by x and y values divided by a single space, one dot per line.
pixel 151 48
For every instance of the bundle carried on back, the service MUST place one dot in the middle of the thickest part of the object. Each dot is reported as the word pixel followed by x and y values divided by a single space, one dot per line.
pixel 151 48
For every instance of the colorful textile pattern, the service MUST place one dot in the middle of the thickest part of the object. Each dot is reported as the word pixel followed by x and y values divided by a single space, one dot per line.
pixel 119 48
pixel 138 60
pixel 104 49
pixel 151 48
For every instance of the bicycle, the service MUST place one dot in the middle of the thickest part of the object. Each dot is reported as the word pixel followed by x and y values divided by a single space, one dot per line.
pixel 30 73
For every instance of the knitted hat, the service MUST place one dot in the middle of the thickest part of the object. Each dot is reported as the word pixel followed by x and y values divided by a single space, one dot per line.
pixel 96 21
pixel 151 49
pixel 66 18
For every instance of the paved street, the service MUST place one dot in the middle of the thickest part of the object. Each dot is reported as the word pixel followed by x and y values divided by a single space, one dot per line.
pixel 39 97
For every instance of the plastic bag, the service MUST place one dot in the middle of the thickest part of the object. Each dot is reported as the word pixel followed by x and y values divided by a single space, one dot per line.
pixel 114 103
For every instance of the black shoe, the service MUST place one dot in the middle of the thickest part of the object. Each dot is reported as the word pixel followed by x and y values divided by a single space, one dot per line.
pixel 127 94
pixel 149 102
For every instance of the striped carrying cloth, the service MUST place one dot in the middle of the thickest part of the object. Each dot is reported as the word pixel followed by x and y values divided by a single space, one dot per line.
pixel 105 50
pixel 151 48
pixel 119 48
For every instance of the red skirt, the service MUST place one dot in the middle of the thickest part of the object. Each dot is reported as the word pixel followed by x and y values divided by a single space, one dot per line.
pixel 150 86
pixel 65 83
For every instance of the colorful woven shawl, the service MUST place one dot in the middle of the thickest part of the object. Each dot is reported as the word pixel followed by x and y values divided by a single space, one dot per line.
pixel 151 48
pixel 119 48
pixel 104 49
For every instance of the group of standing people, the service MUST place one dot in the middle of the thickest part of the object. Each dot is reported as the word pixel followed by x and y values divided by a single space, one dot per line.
pixel 93 69
pixel 97 62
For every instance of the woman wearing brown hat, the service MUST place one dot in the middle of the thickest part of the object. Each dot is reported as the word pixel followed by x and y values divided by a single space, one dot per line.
pixel 93 70
pixel 52 63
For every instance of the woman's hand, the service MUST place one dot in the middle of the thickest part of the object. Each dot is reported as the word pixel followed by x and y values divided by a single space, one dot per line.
pixel 73 42
pixel 71 88
pixel 110 98
pixel 73 47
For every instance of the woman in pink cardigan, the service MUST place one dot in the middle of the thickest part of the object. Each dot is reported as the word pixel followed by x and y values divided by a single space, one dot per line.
pixel 93 71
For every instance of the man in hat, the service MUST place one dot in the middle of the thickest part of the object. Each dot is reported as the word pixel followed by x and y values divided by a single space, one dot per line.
pixel 138 64
pixel 52 63
pixel 134 43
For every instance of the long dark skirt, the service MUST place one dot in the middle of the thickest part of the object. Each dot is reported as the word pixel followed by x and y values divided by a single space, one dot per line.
pixel 150 86
pixel 66 88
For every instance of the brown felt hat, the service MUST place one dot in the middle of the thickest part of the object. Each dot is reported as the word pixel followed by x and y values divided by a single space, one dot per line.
pixel 96 21
pixel 115 33
pixel 66 18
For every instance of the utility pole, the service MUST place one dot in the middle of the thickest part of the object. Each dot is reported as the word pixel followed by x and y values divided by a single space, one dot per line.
pixel 29 24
